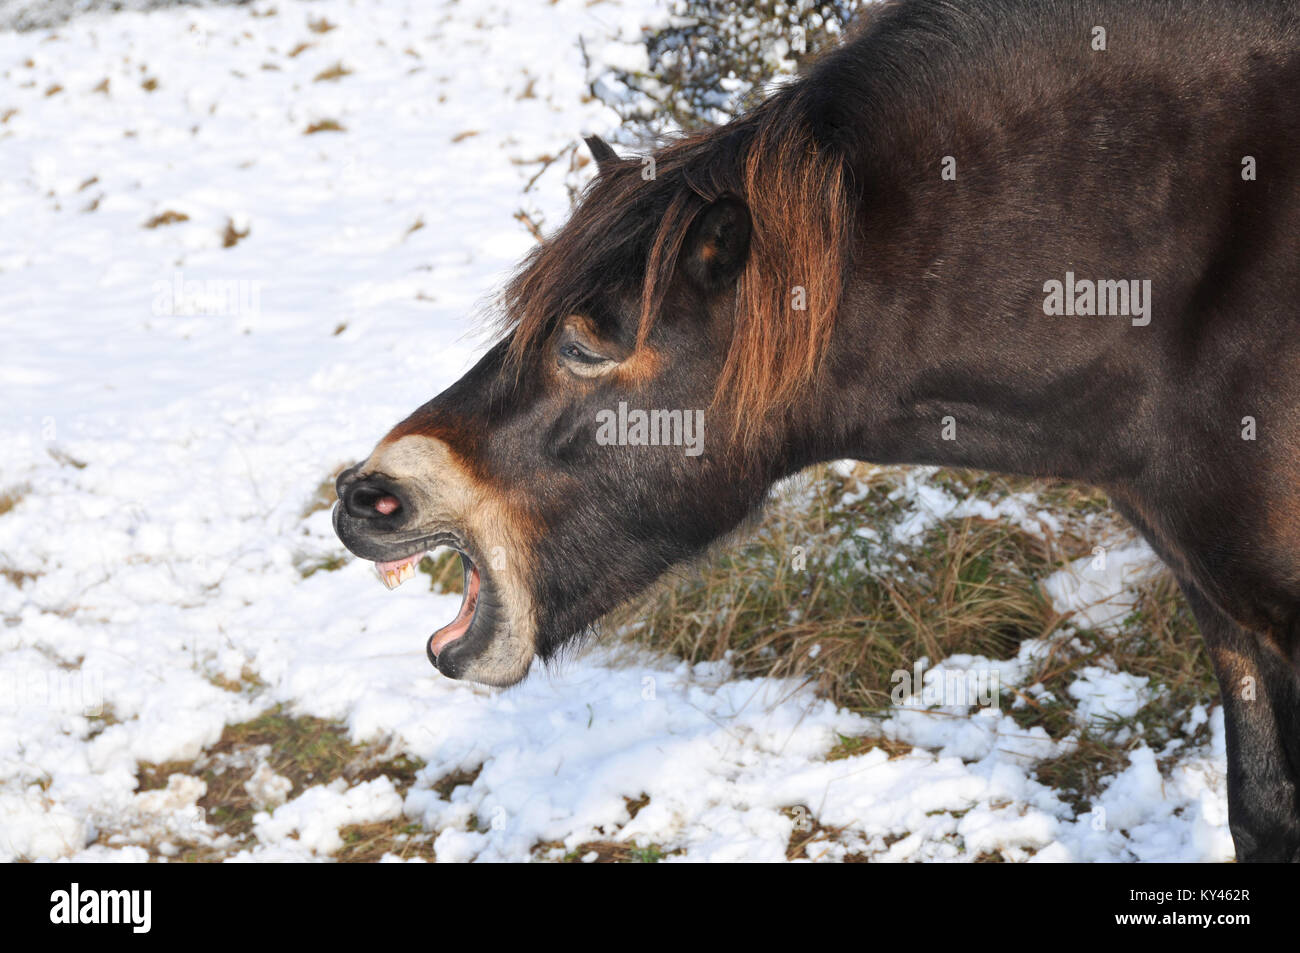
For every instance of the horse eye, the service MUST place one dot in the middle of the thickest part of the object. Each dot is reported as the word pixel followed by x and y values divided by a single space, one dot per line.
pixel 577 352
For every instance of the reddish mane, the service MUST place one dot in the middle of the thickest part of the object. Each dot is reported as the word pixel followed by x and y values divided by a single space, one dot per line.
pixel 628 232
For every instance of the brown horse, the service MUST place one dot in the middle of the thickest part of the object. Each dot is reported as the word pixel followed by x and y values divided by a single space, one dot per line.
pixel 1051 238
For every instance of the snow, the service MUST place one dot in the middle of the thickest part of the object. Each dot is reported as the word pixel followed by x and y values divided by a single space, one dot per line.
pixel 1107 696
pixel 312 820
pixel 1098 590
pixel 166 445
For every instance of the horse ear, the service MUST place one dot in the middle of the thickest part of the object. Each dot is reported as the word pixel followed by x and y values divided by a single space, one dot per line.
pixel 718 243
pixel 601 151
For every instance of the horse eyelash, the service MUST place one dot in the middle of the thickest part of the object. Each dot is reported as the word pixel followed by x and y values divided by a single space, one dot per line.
pixel 581 355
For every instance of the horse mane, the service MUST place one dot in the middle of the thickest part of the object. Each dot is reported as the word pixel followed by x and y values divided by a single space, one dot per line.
pixel 629 231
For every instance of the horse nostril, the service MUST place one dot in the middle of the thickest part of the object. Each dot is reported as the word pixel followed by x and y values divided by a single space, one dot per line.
pixel 366 501
pixel 344 480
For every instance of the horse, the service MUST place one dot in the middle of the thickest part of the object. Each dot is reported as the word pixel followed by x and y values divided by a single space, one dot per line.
pixel 1055 239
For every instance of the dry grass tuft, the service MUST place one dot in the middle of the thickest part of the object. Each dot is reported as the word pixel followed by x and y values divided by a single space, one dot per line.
pixel 335 72
pixel 606 852
pixel 168 217
pixel 370 843
pixel 232 236
pixel 324 125
pixel 11 497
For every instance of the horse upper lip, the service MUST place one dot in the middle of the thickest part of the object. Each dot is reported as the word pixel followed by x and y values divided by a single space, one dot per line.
pixel 380 547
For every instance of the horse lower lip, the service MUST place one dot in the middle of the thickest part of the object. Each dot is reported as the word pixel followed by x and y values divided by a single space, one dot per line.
pixel 465 617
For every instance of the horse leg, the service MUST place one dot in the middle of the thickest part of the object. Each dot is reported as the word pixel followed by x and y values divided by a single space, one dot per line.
pixel 1261 713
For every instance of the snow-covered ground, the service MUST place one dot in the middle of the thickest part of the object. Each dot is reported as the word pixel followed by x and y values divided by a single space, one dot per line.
pixel 33 14
pixel 164 431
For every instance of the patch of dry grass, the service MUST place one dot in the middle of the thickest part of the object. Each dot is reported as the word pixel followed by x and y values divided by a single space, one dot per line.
pixel 615 852
pixel 324 125
pixel 248 681
pixel 809 595
pixel 818 592
pixel 168 217
pixel 1160 642
pixel 11 497
pixel 305 751
pixel 370 843
pixel 232 236
pixel 335 72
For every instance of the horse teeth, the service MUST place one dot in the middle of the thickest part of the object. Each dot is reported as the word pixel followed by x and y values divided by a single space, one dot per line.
pixel 395 576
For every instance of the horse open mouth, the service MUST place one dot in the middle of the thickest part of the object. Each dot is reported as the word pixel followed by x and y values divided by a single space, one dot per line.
pixel 393 574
